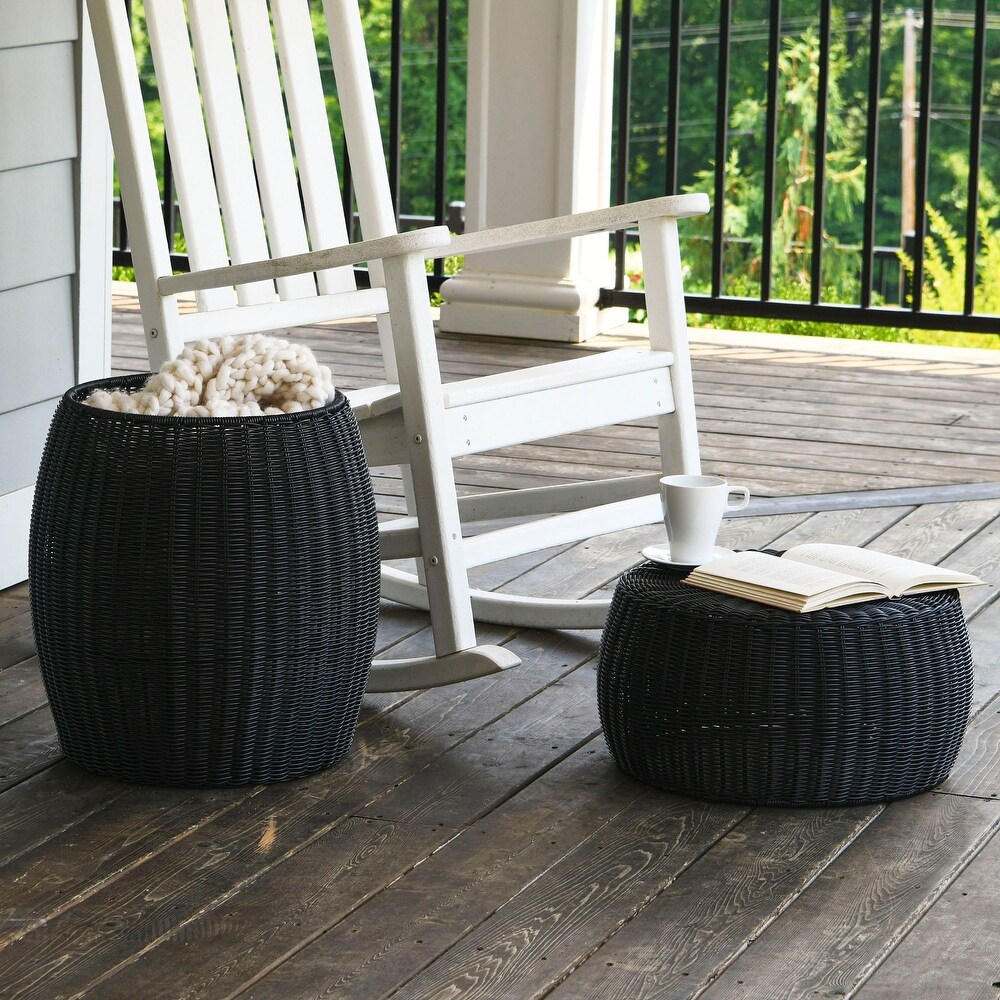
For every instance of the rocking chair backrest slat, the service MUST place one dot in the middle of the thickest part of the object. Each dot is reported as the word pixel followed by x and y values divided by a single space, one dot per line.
pixel 136 169
pixel 310 127
pixel 185 128
pixel 361 125
pixel 231 156
pixel 269 136
pixel 248 126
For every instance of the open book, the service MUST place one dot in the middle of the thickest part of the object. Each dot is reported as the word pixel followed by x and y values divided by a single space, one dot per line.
pixel 821 575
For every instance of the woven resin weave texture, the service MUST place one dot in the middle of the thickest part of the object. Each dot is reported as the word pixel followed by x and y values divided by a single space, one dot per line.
pixel 719 698
pixel 204 591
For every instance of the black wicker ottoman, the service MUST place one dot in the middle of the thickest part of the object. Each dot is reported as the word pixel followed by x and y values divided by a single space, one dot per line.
pixel 204 591
pixel 719 698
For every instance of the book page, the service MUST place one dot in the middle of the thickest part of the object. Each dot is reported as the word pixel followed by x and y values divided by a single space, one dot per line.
pixel 763 570
pixel 894 572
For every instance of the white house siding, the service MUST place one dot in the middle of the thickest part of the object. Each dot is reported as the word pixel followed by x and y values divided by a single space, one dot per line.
pixel 52 311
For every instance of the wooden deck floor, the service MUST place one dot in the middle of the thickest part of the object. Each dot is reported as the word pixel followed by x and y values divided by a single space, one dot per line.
pixel 479 842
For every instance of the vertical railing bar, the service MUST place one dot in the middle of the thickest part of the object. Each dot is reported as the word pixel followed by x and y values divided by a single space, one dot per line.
pixel 871 154
pixel 770 149
pixel 624 121
pixel 347 192
pixel 923 154
pixel 123 243
pixel 721 130
pixel 395 104
pixel 975 156
pixel 819 182
pixel 441 126
pixel 169 212
pixel 673 98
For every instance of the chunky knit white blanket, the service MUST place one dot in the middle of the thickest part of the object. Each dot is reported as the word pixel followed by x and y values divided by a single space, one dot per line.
pixel 229 377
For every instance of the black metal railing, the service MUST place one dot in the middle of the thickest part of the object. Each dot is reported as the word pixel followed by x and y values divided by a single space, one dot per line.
pixel 765 271
pixel 683 33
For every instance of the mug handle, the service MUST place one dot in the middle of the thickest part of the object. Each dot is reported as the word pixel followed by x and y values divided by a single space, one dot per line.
pixel 742 502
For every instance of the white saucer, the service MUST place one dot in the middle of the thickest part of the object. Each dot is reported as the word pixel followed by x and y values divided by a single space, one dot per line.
pixel 661 554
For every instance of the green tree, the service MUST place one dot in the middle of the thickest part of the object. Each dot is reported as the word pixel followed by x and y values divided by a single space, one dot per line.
pixel 794 178
pixel 418 126
pixel 944 266
pixel 846 168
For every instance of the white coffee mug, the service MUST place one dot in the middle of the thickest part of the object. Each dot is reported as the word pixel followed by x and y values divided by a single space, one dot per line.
pixel 693 507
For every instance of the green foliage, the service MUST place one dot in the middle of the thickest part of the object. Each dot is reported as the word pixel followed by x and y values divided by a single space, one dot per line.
pixel 452 265
pixel 418 126
pixel 944 291
pixel 944 266
pixel 846 331
pixel 794 180
pixel 845 165
pixel 790 290
pixel 119 273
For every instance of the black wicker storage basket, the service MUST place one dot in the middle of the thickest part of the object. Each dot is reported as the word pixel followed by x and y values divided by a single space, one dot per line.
pixel 204 591
pixel 720 698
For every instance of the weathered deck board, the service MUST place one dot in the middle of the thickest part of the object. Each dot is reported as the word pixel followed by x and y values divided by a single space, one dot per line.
pixel 21 690
pixel 392 937
pixel 527 947
pixel 952 952
pixel 16 641
pixel 716 908
pixel 27 745
pixel 41 808
pixel 863 903
pixel 977 770
pixel 478 841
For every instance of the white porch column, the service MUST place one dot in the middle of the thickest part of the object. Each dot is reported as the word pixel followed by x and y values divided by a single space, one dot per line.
pixel 538 145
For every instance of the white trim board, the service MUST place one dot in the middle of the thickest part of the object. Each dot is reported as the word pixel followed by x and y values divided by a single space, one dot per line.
pixel 15 516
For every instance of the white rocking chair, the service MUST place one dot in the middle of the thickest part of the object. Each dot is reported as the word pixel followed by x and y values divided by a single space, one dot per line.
pixel 256 189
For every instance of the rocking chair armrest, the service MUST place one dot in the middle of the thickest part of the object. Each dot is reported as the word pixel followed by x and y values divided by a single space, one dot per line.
pixel 420 241
pixel 436 241
pixel 601 220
